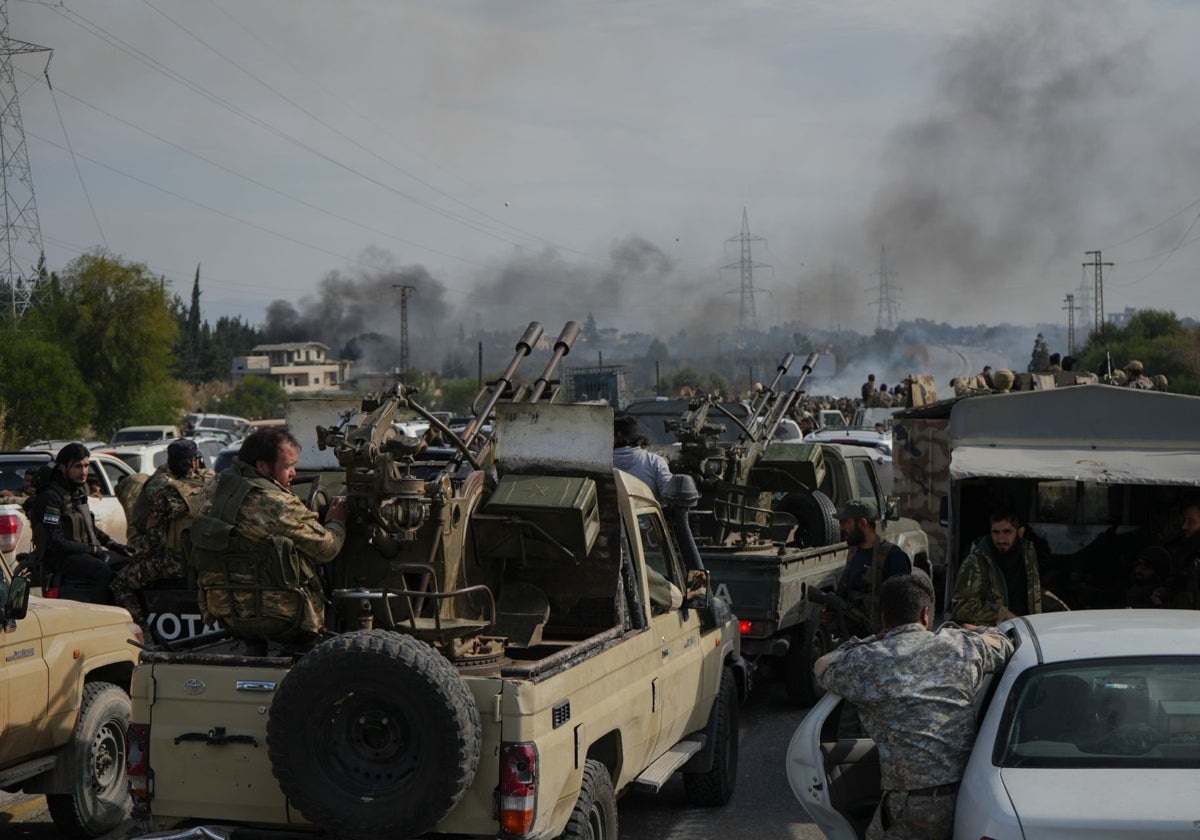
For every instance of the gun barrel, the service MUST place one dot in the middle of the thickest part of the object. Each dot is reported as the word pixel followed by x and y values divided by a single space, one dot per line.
pixel 763 403
pixel 784 405
pixel 566 340
pixel 531 336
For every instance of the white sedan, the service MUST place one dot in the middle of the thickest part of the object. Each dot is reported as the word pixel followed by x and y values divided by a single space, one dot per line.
pixel 1092 730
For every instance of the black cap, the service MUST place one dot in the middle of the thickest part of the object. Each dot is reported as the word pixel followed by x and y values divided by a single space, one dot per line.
pixel 183 447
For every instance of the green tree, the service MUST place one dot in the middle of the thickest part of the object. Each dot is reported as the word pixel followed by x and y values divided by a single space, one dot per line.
pixel 115 319
pixel 42 394
pixel 256 398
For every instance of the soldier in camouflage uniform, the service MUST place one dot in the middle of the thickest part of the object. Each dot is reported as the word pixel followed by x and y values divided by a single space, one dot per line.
pixel 1135 373
pixel 915 690
pixel 1000 577
pixel 257 548
pixel 178 494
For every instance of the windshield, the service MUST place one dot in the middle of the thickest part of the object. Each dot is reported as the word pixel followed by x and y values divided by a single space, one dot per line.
pixel 1136 712
pixel 143 436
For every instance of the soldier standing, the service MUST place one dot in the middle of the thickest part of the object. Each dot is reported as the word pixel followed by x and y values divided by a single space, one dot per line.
pixel 1000 577
pixel 868 390
pixel 257 547
pixel 158 547
pixel 914 690
pixel 873 560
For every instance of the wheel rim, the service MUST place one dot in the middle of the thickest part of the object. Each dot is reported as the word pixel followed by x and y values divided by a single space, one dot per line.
pixel 372 745
pixel 597 827
pixel 108 758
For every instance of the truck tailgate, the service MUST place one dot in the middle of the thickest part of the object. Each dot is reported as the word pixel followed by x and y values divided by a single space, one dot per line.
pixel 768 586
pixel 208 731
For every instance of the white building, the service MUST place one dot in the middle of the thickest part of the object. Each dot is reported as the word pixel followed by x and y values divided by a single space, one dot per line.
pixel 296 366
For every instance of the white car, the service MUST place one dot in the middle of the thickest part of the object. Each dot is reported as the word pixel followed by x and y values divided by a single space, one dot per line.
pixel 143 458
pixel 1092 730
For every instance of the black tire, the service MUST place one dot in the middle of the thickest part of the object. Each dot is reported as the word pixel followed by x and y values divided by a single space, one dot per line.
pixel 374 734
pixel 100 799
pixel 812 641
pixel 715 787
pixel 595 814
pixel 816 516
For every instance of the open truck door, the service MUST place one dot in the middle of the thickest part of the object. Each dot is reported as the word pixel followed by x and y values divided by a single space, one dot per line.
pixel 833 769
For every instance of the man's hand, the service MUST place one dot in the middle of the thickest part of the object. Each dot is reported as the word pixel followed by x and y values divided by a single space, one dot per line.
pixel 337 510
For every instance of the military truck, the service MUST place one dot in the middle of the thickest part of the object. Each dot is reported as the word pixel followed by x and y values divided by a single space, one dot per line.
pixel 766 523
pixel 1095 471
pixel 64 706
pixel 517 634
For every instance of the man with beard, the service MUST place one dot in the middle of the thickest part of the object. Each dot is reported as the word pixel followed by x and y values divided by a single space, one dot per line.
pixel 873 560
pixel 1000 578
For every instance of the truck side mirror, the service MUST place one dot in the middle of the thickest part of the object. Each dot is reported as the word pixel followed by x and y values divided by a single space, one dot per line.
pixel 696 596
pixel 891 507
pixel 16 599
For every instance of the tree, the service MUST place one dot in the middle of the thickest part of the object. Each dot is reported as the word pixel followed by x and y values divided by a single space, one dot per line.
pixel 42 394
pixel 256 398
pixel 116 322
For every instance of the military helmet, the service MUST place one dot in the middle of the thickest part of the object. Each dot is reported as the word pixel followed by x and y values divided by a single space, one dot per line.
pixel 1118 377
pixel 1160 382
pixel 1134 368
pixel 1004 379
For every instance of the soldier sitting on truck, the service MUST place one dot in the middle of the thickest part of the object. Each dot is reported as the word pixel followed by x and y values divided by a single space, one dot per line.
pixel 874 559
pixel 256 547
pixel 631 456
pixel 1000 578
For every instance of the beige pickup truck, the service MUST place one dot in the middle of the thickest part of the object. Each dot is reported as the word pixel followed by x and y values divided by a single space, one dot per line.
pixel 64 706
pixel 567 652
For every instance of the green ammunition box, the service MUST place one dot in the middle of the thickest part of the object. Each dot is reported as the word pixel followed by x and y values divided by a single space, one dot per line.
pixel 786 467
pixel 563 506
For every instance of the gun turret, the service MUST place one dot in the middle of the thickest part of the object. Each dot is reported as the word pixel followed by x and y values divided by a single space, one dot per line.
pixel 566 340
pixel 784 405
pixel 764 401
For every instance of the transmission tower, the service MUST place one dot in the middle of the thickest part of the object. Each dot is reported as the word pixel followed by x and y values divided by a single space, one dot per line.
pixel 747 318
pixel 20 268
pixel 1070 306
pixel 887 296
pixel 406 292
pixel 1098 290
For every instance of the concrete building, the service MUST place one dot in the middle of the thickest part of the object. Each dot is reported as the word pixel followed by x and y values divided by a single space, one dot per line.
pixel 296 366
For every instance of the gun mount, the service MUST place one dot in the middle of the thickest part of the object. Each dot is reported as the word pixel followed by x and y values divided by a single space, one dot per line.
pixel 736 480
pixel 411 562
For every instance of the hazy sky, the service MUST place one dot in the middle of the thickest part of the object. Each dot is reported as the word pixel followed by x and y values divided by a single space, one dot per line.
pixel 517 159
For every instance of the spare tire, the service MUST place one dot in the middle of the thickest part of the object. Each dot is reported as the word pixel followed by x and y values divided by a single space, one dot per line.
pixel 374 734
pixel 817 518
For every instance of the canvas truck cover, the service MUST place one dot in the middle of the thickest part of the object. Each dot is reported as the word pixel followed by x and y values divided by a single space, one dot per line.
pixel 1095 433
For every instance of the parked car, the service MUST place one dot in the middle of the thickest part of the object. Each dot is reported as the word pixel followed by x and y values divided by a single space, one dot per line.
pixel 143 434
pixel 210 447
pixel 222 422
pixel 143 458
pixel 55 445
pixel 1092 729
pixel 110 516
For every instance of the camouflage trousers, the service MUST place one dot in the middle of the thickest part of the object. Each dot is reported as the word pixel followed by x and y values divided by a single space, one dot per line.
pixel 140 573
pixel 255 611
pixel 913 816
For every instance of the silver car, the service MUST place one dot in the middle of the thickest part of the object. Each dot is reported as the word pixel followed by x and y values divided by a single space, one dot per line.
pixel 1092 730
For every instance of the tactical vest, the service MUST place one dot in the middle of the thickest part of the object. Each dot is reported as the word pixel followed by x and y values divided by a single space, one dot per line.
pixel 71 519
pixel 192 491
pixel 260 589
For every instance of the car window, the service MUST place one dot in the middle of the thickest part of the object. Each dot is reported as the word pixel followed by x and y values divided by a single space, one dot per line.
pixel 111 471
pixel 1129 712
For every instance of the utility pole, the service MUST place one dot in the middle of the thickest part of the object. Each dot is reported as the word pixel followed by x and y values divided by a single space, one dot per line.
pixel 1070 306
pixel 887 296
pixel 21 260
pixel 406 292
pixel 833 296
pixel 1098 290
pixel 747 318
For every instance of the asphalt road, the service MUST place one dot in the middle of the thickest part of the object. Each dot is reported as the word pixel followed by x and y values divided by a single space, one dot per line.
pixel 762 808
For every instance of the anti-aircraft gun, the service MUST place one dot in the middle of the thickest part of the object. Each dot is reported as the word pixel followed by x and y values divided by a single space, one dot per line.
pixel 410 562
pixel 736 480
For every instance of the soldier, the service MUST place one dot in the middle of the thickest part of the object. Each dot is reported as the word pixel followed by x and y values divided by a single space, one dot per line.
pixel 1160 382
pixel 257 548
pixel 873 561
pixel 868 390
pixel 1003 380
pixel 914 691
pixel 65 537
pixel 158 546
pixel 1135 373
pixel 1000 577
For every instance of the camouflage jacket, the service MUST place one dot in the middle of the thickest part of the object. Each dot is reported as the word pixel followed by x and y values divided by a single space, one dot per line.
pixel 980 592
pixel 173 506
pixel 138 512
pixel 915 693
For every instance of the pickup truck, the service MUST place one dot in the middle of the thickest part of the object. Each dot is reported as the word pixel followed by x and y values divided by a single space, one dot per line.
pixel 561 649
pixel 64 705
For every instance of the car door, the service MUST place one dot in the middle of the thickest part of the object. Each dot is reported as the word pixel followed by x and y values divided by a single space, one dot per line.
pixel 24 687
pixel 832 767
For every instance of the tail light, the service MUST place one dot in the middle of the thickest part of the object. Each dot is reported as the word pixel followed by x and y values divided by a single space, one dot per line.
pixel 138 761
pixel 518 787
pixel 753 628
pixel 10 532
